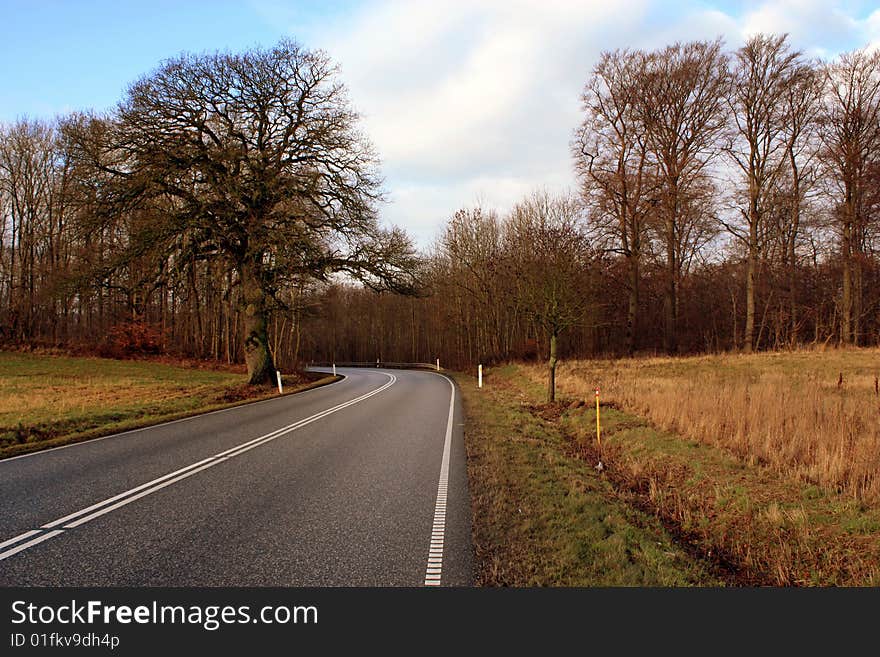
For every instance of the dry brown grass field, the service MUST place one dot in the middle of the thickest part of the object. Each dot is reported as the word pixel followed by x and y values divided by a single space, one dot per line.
pixel 811 415
pixel 763 468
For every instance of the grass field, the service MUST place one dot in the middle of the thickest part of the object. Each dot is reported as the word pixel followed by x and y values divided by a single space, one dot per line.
pixel 726 454
pixel 46 401
pixel 810 415
pixel 541 517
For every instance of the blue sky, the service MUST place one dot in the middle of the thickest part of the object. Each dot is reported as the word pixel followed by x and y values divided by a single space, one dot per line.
pixel 466 101
pixel 79 54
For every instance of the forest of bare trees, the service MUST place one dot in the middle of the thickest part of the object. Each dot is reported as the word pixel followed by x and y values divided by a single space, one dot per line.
pixel 218 190
pixel 227 209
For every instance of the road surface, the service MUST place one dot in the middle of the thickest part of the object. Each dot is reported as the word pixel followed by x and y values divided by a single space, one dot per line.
pixel 358 483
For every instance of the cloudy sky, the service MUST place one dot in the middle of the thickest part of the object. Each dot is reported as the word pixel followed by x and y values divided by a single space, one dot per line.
pixel 465 101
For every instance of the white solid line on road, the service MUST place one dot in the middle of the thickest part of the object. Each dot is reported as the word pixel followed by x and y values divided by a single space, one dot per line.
pixel 25 546
pixel 129 500
pixel 433 572
pixel 76 514
pixel 106 506
pixel 20 537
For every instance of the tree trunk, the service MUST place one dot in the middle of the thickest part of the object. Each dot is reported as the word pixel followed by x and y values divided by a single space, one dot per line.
pixel 751 267
pixel 551 382
pixel 792 253
pixel 669 300
pixel 857 296
pixel 846 300
pixel 260 367
pixel 632 317
pixel 735 319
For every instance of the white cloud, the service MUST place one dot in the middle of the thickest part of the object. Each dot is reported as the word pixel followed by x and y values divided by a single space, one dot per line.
pixel 470 100
pixel 816 26
pixel 872 29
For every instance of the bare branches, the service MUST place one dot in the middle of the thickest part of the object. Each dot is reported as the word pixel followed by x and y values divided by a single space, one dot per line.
pixel 850 133
pixel 770 84
pixel 550 253
pixel 259 155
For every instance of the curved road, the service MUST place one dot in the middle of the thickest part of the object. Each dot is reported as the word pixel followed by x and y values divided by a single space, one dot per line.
pixel 342 485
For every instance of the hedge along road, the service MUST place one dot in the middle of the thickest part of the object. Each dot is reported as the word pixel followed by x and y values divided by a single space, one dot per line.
pixel 358 483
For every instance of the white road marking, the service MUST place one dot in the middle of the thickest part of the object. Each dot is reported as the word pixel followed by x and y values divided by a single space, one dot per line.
pixel 20 537
pixel 433 572
pixel 25 546
pixel 112 503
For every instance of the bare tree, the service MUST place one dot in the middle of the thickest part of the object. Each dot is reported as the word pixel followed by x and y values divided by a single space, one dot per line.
pixel 28 178
pixel 682 109
pixel 850 122
pixel 800 107
pixel 471 251
pixel 258 157
pixel 763 72
pixel 611 156
pixel 551 257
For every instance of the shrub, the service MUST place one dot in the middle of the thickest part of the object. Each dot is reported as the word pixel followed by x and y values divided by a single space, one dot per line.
pixel 133 338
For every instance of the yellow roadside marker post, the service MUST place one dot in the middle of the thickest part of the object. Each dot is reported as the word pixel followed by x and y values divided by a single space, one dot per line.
pixel 600 465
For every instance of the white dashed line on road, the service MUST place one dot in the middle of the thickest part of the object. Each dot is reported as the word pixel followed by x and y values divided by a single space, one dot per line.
pixel 434 570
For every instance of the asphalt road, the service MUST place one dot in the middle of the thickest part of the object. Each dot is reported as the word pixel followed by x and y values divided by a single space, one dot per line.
pixel 336 486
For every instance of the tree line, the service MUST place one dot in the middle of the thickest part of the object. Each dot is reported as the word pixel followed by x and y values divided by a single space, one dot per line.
pixel 227 209
pixel 728 201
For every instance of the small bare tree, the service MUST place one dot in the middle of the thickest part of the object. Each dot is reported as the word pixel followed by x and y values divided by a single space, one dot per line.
pixel 550 256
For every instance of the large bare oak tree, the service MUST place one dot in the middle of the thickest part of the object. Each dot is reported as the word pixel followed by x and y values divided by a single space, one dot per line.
pixel 257 157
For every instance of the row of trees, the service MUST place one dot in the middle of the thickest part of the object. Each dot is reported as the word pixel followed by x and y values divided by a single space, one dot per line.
pixel 227 209
pixel 499 285
pixel 729 201
pixel 680 142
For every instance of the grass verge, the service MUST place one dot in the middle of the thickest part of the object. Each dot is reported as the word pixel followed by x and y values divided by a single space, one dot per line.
pixel 668 510
pixel 50 401
pixel 542 517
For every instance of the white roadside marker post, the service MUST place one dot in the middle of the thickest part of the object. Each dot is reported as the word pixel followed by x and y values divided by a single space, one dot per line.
pixel 280 388
pixel 334 369
pixel 438 364
pixel 480 376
